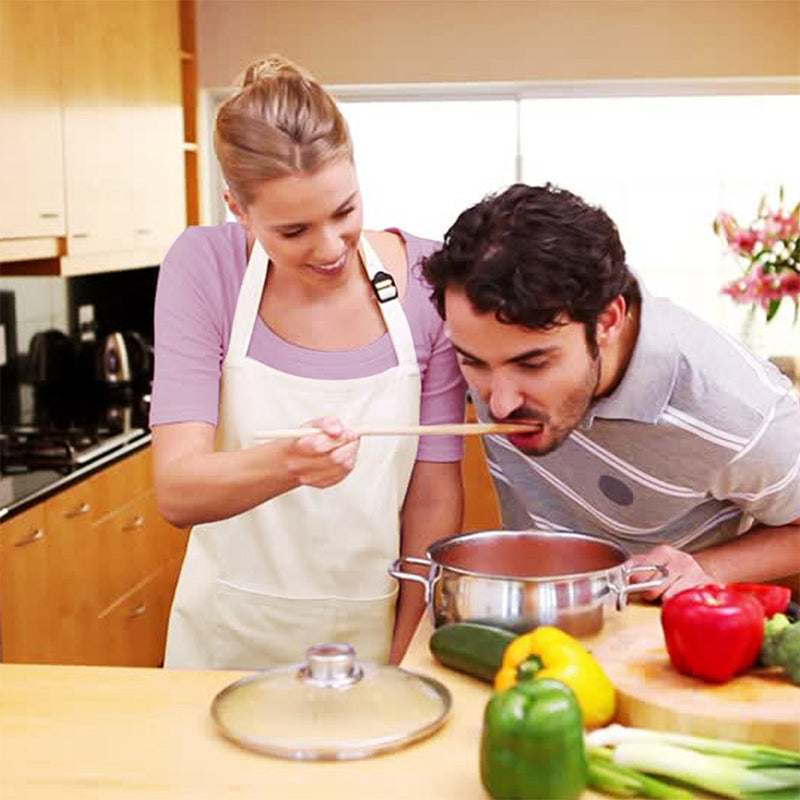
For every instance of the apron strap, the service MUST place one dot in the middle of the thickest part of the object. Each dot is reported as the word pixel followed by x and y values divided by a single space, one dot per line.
pixel 248 302
pixel 390 306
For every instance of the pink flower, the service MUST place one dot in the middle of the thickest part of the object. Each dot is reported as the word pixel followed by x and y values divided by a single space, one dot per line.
pixel 790 283
pixel 770 249
pixel 726 223
pixel 745 240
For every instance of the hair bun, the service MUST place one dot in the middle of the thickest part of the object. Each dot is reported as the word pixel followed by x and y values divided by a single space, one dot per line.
pixel 271 67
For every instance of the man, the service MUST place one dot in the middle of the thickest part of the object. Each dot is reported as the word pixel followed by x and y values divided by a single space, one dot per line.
pixel 647 426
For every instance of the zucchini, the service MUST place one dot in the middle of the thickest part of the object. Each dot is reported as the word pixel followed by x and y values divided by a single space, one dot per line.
pixel 471 647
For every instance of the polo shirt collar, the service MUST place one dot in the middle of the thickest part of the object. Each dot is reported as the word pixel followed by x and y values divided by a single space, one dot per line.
pixel 645 389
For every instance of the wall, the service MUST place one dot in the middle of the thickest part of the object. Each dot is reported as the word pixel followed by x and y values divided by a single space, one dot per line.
pixel 411 41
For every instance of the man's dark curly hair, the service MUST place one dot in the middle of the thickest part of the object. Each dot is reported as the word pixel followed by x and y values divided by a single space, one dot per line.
pixel 531 254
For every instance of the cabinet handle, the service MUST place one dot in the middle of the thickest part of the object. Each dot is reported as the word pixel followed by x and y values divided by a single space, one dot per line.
pixel 138 611
pixel 136 523
pixel 143 231
pixel 35 536
pixel 79 235
pixel 49 215
pixel 83 508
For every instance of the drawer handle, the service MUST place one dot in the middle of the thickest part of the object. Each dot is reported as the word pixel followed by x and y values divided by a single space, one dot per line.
pixel 49 215
pixel 80 235
pixel 136 523
pixel 83 508
pixel 143 231
pixel 138 611
pixel 30 538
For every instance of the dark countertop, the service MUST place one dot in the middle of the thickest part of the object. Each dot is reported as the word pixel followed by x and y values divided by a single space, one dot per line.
pixel 18 492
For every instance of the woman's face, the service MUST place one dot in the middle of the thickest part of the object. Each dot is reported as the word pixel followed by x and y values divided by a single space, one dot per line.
pixel 309 223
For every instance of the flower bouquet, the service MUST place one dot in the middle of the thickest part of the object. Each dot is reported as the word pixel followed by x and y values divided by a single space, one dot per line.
pixel 770 246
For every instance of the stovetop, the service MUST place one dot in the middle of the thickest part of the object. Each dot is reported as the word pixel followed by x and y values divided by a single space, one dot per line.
pixel 47 440
pixel 24 448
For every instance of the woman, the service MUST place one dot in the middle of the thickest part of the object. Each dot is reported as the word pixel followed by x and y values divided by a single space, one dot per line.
pixel 271 322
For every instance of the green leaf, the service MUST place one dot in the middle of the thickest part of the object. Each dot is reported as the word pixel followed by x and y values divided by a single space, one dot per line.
pixel 774 305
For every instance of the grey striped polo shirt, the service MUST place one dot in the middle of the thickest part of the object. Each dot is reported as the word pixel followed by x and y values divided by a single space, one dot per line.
pixel 698 442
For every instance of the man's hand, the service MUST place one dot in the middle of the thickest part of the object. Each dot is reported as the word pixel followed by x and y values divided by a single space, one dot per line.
pixel 684 571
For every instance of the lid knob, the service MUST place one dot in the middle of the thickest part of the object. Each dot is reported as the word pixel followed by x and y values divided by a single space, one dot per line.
pixel 331 666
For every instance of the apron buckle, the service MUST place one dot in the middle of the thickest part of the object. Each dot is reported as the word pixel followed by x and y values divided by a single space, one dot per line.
pixel 384 287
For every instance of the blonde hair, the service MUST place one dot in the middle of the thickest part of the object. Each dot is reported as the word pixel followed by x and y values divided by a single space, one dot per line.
pixel 279 122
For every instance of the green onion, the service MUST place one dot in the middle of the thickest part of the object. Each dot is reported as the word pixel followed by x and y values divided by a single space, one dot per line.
pixel 607 776
pixel 731 769
pixel 751 753
pixel 719 774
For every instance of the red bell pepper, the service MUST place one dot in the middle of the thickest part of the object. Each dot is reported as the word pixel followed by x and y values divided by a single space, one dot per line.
pixel 712 632
pixel 775 599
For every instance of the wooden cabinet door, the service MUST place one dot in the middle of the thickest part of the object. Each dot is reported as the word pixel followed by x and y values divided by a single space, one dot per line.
pixel 132 543
pixel 122 125
pixel 87 576
pixel 133 631
pixel 121 482
pixel 47 592
pixel 157 147
pixel 25 570
pixel 99 64
pixel 31 148
pixel 72 594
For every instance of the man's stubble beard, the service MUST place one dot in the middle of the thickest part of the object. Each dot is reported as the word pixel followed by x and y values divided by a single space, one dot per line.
pixel 572 412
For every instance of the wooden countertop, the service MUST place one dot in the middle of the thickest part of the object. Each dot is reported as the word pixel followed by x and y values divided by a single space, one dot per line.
pixel 108 733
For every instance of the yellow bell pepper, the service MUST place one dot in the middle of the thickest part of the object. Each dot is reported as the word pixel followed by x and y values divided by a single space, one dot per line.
pixel 548 652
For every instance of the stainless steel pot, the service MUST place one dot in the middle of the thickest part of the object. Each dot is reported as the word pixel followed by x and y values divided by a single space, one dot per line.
pixel 521 579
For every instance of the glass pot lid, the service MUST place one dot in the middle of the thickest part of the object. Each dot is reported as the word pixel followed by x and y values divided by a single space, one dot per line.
pixel 332 707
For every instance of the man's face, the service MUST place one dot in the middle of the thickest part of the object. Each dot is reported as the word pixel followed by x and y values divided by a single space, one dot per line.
pixel 542 378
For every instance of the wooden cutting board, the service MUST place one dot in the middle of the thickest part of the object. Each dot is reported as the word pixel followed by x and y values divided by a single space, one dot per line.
pixel 761 707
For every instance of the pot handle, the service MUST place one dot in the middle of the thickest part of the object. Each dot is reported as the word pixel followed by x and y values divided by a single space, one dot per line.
pixel 396 572
pixel 630 588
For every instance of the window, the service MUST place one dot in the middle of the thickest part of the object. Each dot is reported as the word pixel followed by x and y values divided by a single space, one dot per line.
pixel 661 158
pixel 421 163
pixel 662 167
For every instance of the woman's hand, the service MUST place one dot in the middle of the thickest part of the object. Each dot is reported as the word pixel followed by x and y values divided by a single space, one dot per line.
pixel 325 458
pixel 684 571
pixel 196 483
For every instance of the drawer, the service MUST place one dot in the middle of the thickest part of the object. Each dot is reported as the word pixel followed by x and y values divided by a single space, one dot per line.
pixel 133 630
pixel 132 543
pixel 25 574
pixel 122 482
pixel 47 561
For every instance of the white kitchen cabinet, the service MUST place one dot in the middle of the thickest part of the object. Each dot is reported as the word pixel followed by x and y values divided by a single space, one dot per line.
pixel 122 130
pixel 32 211
pixel 159 207
pixel 119 153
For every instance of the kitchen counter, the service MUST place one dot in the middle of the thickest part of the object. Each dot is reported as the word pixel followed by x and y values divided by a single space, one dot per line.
pixel 114 733
pixel 18 492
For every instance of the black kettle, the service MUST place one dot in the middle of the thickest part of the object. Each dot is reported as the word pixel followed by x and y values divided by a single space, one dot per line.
pixel 124 357
pixel 51 358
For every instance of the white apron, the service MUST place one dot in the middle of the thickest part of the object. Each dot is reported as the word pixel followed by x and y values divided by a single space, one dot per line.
pixel 308 566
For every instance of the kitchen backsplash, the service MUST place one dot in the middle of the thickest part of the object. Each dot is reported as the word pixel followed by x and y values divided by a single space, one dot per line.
pixel 31 305
pixel 118 301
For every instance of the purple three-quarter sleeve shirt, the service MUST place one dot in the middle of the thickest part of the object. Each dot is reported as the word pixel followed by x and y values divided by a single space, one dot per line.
pixel 198 286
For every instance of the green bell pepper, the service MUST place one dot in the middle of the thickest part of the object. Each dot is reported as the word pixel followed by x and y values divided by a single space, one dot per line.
pixel 532 744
